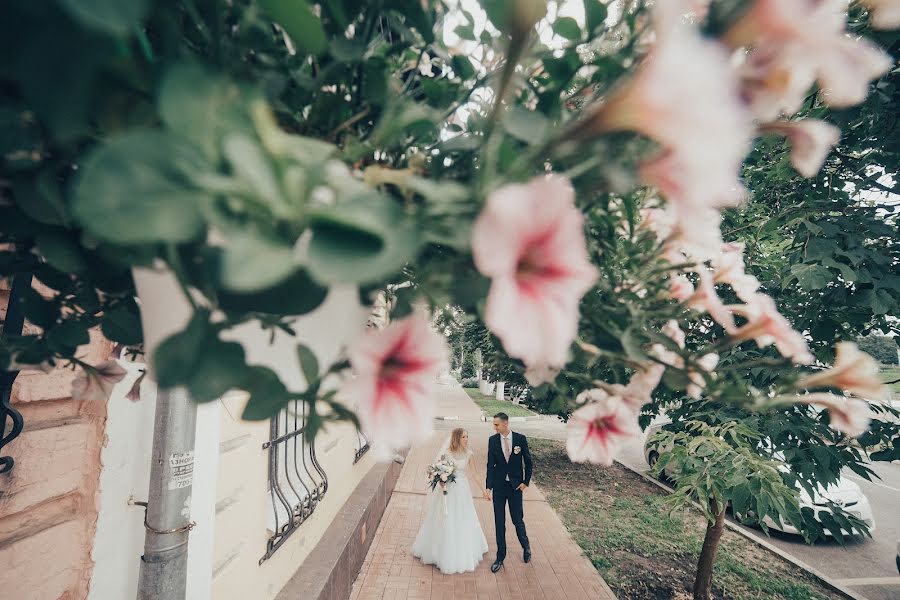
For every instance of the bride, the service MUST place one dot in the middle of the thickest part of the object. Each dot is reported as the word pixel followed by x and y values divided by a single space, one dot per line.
pixel 451 537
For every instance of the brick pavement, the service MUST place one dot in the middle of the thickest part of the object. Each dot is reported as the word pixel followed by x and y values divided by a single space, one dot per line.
pixel 558 569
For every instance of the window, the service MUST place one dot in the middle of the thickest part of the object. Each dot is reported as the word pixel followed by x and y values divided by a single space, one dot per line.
pixel 297 482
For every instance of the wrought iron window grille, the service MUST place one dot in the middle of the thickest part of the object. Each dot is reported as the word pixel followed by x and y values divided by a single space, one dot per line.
pixel 297 482
pixel 362 446
pixel 12 327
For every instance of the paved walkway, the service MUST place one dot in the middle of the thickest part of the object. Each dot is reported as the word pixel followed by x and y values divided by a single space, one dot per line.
pixel 558 569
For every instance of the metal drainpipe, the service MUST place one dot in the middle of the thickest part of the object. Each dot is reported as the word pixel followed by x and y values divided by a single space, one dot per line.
pixel 163 574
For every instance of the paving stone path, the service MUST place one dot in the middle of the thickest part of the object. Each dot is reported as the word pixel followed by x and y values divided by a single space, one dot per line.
pixel 558 569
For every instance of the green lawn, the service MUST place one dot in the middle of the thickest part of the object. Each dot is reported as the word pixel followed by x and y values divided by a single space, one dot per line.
pixel 892 374
pixel 491 406
pixel 642 551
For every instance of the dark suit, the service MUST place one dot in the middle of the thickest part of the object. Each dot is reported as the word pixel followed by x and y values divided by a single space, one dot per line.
pixel 518 470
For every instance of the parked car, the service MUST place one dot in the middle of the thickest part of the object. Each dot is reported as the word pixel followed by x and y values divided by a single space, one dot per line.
pixel 844 493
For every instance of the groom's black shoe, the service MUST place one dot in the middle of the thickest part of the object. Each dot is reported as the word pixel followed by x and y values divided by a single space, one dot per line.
pixel 527 555
pixel 496 566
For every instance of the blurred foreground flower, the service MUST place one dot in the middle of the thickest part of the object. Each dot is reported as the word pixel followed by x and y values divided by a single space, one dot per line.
pixel 97 383
pixel 395 370
pixel 596 431
pixel 530 241
pixel 854 371
pixel 850 416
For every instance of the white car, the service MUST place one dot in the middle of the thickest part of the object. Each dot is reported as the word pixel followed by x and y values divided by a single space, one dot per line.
pixel 844 493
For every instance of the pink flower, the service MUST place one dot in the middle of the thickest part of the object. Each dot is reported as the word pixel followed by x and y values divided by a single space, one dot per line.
pixel 596 431
pixel 684 96
pixel 134 394
pixel 538 374
pixel 96 383
pixel 850 416
pixel 706 299
pixel 854 371
pixel 884 14
pixel 767 326
pixel 706 364
pixel 811 140
pixel 529 240
pixel 729 268
pixel 395 369
pixel 771 85
pixel 640 388
pixel 680 287
pixel 802 41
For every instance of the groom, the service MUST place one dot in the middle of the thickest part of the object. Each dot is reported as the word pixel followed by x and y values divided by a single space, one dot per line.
pixel 508 475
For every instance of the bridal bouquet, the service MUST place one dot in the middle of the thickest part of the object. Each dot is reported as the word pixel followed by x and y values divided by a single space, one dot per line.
pixel 441 473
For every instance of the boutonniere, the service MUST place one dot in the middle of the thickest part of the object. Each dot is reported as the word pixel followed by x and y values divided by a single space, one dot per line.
pixel 517 449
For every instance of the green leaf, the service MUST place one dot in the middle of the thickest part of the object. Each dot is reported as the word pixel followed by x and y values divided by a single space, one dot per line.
pixel 594 14
pixel 255 261
pixel 568 28
pixel 881 301
pixel 202 107
pixel 69 335
pixel 847 272
pixel 462 66
pixel 461 143
pixel 39 311
pixel 811 276
pixel 465 32
pixel 123 324
pixel 267 394
pixel 375 81
pixel 296 295
pixel 251 164
pixel 347 50
pixel 41 201
pixel 220 367
pixel 632 346
pixel 308 364
pixel 135 188
pixel 526 125
pixel 299 22
pixel 174 359
pixel 361 241
pixel 115 17
pixel 60 248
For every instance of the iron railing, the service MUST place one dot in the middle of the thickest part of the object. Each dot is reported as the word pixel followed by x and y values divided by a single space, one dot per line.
pixel 297 482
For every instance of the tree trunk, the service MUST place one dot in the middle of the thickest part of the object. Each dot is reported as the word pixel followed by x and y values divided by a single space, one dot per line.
pixel 703 580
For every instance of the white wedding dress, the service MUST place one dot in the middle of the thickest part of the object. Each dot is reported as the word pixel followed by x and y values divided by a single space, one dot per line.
pixel 451 537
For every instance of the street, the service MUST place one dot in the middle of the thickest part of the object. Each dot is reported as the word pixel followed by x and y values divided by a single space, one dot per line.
pixel 865 566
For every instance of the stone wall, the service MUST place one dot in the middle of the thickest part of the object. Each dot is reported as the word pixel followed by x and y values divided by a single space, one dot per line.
pixel 48 501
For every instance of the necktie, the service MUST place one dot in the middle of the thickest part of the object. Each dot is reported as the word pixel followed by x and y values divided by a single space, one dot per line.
pixel 506 449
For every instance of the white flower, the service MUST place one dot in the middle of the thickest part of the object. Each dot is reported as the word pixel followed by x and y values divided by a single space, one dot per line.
pixel 767 326
pixel 706 363
pixel 811 140
pixel 850 416
pixel 729 268
pixel 854 371
pixel 685 96
pixel 799 42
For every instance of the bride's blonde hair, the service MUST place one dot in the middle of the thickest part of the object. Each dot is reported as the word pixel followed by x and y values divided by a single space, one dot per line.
pixel 456 439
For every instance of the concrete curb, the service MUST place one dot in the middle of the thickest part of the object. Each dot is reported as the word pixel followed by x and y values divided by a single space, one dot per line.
pixel 760 542
pixel 484 418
